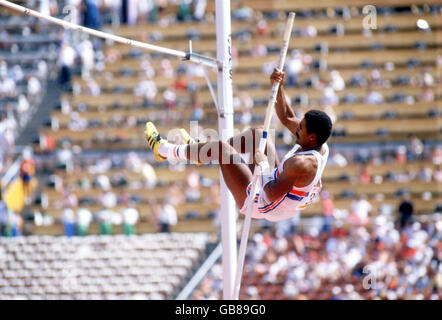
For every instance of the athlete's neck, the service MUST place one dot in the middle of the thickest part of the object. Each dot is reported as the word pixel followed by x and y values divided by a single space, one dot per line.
pixel 308 148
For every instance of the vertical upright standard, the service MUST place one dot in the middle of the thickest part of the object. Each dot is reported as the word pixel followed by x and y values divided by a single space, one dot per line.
pixel 225 125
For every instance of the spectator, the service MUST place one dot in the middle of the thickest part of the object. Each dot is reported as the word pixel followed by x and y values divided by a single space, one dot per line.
pixel 130 219
pixel 375 79
pixel 84 218
pixel 16 224
pixel 170 101
pixel 22 109
pixel 425 174
pixel 327 211
pixel 374 98
pixel 183 12
pixel 401 154
pixel 108 199
pixel 243 105
pixel 91 18
pixel 262 29
pixel 416 148
pixel 167 217
pixel 309 31
pixel 337 82
pixel 68 220
pixel 146 89
pixel 87 56
pixel 197 113
pixel 360 210
pixel 294 67
pixel 3 215
pixel 329 97
pixel 180 83
pixel 193 186
pixel 426 95
pixel 104 218
pixel 64 157
pixel 259 50
pixel 33 89
pixel 405 209
pixel 199 9
pixel 27 171
pixel 115 6
pixel 8 125
pixel 66 63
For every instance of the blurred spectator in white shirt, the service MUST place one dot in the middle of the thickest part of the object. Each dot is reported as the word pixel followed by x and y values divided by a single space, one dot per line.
pixel 360 210
pixel 87 56
pixel 104 218
pixel 108 199
pixel 416 148
pixel 167 217
pixel 374 98
pixel 147 70
pixel 199 9
pixel 68 220
pixel 84 218
pixel 329 97
pixel 166 68
pixel 92 88
pixel 146 89
pixel 64 157
pixel 193 186
pixel 337 82
pixel 34 89
pixel 22 109
pixel 309 31
pixel 294 67
pixel 425 174
pixel 66 62
pixel 130 219
pixel 7 87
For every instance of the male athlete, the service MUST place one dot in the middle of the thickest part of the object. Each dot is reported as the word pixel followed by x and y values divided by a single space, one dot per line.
pixel 294 182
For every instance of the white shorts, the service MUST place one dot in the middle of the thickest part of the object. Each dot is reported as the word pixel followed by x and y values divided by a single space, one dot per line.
pixel 274 211
pixel 259 204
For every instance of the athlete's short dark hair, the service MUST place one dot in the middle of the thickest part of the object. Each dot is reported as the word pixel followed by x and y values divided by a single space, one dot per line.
pixel 319 123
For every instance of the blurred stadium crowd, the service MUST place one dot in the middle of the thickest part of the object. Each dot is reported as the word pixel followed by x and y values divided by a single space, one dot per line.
pixel 380 262
pixel 88 172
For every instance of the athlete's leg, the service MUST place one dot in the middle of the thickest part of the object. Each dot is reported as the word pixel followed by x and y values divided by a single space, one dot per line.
pixel 248 142
pixel 236 173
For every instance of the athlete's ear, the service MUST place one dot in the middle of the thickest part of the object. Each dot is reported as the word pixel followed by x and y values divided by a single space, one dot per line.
pixel 312 137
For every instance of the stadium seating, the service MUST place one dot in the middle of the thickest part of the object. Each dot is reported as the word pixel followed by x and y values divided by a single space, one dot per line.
pixel 151 266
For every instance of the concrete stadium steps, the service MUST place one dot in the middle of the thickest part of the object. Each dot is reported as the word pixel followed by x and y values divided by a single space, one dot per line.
pixel 322 25
pixel 241 81
pixel 358 112
pixel 348 42
pixel 357 130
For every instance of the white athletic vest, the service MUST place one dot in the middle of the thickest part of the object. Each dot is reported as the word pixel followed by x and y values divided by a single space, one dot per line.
pixel 297 198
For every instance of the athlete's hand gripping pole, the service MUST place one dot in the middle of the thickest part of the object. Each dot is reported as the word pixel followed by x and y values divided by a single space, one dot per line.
pixel 262 145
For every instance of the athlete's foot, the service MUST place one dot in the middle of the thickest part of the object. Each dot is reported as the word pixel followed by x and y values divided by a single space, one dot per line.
pixel 154 140
pixel 187 139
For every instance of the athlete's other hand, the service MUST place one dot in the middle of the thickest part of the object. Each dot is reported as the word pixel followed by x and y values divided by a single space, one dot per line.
pixel 277 75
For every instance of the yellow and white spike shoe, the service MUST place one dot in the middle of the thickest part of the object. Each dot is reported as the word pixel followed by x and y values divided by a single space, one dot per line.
pixel 154 140
pixel 187 139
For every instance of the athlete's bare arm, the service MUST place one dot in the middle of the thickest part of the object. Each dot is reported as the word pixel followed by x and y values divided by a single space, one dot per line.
pixel 283 110
pixel 299 171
